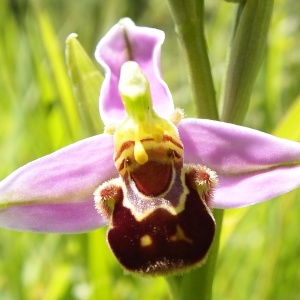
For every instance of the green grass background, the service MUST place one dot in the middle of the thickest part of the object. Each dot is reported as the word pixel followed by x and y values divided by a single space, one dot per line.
pixel 260 245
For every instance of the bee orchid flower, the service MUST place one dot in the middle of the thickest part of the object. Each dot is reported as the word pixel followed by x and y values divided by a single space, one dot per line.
pixel 153 177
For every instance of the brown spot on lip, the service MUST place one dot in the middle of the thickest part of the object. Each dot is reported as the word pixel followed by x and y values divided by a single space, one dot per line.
pixel 152 178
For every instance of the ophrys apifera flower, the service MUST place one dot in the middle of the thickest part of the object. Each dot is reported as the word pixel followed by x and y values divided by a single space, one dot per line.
pixel 155 177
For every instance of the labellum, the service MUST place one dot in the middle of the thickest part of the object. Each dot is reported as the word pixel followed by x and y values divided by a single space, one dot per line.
pixel 158 209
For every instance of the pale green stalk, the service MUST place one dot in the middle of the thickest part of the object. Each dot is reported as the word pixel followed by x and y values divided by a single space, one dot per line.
pixel 188 19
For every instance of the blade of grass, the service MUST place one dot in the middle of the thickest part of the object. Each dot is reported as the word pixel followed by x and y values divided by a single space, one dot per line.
pixel 56 58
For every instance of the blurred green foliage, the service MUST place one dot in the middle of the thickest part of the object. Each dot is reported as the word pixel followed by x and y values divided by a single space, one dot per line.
pixel 260 247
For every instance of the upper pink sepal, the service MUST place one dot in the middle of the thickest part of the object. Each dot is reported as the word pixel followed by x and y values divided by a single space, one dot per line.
pixel 124 42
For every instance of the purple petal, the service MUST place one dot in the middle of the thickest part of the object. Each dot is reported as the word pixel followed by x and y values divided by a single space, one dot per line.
pixel 55 193
pixel 112 51
pixel 252 166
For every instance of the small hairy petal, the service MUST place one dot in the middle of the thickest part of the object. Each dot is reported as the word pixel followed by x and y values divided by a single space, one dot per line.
pixel 252 166
pixel 122 43
pixel 55 193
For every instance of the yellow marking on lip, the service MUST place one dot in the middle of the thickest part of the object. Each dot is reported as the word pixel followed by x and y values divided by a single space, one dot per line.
pixel 180 236
pixel 155 152
pixel 146 240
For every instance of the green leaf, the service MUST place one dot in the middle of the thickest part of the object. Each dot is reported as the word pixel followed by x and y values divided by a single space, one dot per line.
pixel 86 82
pixel 55 57
pixel 247 51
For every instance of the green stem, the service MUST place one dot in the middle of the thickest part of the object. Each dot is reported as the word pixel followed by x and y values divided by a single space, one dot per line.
pixel 188 16
pixel 188 19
